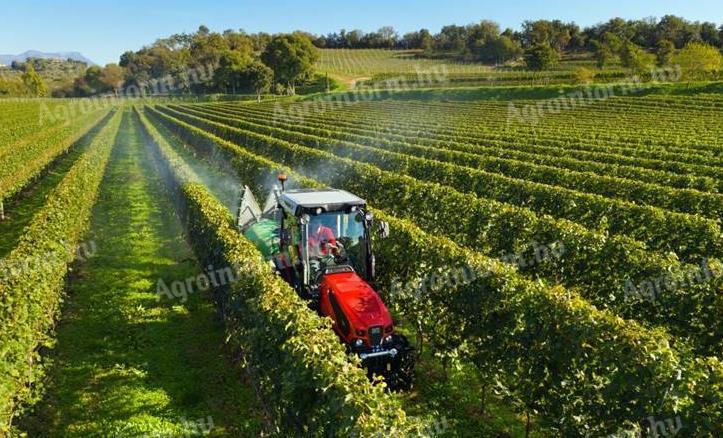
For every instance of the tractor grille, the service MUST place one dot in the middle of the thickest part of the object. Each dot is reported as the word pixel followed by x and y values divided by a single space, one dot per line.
pixel 375 335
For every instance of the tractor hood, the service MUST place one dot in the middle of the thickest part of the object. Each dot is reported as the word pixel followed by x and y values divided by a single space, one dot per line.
pixel 360 303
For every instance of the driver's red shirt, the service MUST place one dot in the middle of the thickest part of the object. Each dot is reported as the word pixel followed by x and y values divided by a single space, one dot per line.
pixel 324 235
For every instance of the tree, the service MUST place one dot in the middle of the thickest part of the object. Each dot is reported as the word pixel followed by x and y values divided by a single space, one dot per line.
pixel 259 77
pixel 480 34
pixel 613 42
pixel 664 52
pixel 228 76
pixel 292 59
pixel 417 40
pixel 698 60
pixel 239 42
pixel 644 32
pixel 635 58
pixel 387 37
pixel 92 78
pixel 541 57
pixel 451 38
pixel 602 54
pixel 12 87
pixel 536 32
pixel 33 82
pixel 562 34
pixel 426 40
pixel 578 40
pixel 111 77
pixel 500 49
pixel 709 34
pixel 207 47
pixel 675 29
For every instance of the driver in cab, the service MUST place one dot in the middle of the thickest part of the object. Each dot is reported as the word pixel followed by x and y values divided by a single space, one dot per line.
pixel 321 239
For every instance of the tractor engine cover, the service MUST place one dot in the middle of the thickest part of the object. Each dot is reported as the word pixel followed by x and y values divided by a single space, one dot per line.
pixel 356 308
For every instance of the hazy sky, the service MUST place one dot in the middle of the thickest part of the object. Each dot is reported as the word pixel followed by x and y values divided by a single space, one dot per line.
pixel 102 30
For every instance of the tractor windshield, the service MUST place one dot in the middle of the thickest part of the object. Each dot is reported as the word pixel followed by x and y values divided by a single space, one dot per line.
pixel 336 238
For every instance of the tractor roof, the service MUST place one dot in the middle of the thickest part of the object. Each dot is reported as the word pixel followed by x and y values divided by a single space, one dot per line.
pixel 309 200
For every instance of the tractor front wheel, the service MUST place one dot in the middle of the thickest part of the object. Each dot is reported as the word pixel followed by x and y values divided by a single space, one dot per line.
pixel 401 375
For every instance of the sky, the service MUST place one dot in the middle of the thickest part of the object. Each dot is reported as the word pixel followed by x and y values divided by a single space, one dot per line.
pixel 102 30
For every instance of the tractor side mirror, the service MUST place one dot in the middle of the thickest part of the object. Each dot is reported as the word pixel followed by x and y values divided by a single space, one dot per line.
pixel 383 229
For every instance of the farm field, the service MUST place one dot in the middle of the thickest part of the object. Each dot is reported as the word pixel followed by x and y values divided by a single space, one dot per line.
pixel 382 68
pixel 480 213
pixel 332 220
pixel 543 261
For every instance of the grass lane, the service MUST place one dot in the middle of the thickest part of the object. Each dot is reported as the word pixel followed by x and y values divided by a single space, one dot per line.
pixel 127 364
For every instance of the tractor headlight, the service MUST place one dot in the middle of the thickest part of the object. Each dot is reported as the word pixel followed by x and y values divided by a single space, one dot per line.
pixel 388 340
pixel 358 342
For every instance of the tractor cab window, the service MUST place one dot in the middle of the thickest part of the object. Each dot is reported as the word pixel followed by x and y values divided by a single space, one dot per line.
pixel 336 238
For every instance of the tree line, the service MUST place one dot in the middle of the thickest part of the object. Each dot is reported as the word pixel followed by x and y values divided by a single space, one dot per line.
pixel 239 62
pixel 562 36
pixel 541 42
pixel 207 62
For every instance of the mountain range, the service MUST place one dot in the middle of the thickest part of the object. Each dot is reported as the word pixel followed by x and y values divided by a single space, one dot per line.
pixel 8 59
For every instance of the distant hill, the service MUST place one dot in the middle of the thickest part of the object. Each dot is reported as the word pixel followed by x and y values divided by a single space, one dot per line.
pixel 76 56
pixel 58 74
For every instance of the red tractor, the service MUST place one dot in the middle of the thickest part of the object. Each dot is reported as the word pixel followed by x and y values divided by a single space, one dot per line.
pixel 320 242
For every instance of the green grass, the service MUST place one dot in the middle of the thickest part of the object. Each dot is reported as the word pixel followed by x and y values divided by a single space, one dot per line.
pixel 126 364
pixel 20 209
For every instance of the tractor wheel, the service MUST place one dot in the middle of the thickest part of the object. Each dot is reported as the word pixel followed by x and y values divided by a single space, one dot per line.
pixel 401 376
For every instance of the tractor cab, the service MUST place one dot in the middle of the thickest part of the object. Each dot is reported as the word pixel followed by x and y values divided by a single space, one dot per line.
pixel 320 242
pixel 326 231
